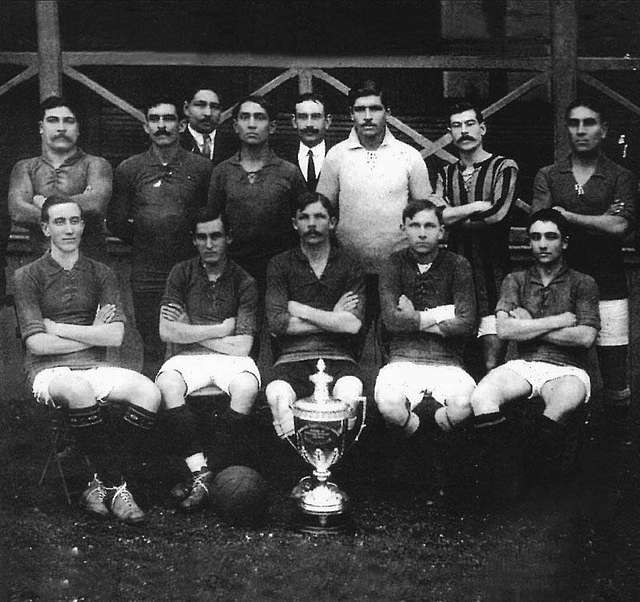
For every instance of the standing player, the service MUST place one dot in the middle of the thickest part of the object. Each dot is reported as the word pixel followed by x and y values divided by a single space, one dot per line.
pixel 551 311
pixel 69 310
pixel 428 307
pixel 208 309
pixel 315 303
pixel 597 198
pixel 479 191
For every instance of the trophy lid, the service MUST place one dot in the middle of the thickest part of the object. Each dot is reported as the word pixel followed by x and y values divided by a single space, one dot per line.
pixel 321 405
pixel 321 382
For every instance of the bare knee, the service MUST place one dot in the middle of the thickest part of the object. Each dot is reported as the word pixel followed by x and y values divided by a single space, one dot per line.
pixel 172 388
pixel 459 407
pixel 347 388
pixel 562 397
pixel 72 392
pixel 485 398
pixel 279 393
pixel 144 393
pixel 244 384
pixel 389 399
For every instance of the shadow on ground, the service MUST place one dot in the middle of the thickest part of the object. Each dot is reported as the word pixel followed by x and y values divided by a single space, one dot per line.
pixel 575 541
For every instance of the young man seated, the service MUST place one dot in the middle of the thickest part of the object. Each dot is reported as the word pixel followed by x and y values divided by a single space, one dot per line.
pixel 314 307
pixel 69 311
pixel 209 309
pixel 428 308
pixel 551 311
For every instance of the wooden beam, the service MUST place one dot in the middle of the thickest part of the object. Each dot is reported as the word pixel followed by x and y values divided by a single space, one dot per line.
pixel 283 61
pixel 305 81
pixel 609 63
pixel 332 81
pixel 424 142
pixel 262 90
pixel 23 76
pixel 564 38
pixel 102 91
pixel 49 52
pixel 521 90
pixel 18 58
pixel 598 85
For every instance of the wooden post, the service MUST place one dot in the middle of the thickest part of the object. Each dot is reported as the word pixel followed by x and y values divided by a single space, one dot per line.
pixel 49 53
pixel 305 81
pixel 564 44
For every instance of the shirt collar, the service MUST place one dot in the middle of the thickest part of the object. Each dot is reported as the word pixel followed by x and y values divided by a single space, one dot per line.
pixel 409 257
pixel 177 159
pixel 318 150
pixel 270 159
pixel 354 142
pixel 199 138
pixel 603 165
pixel 203 270
pixel 69 160
pixel 53 267
pixel 300 256
pixel 534 274
pixel 461 166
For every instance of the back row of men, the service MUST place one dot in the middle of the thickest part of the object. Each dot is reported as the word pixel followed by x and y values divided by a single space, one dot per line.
pixel 370 178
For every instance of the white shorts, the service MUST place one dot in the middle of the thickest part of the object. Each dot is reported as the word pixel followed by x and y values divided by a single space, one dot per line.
pixel 101 380
pixel 443 382
pixel 539 373
pixel 199 371
pixel 614 323
pixel 487 326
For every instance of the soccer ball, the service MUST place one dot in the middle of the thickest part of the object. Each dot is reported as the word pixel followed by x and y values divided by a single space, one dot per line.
pixel 240 495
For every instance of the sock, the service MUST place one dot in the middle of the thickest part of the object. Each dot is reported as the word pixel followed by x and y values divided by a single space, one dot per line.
pixel 136 427
pixel 613 367
pixel 92 438
pixel 196 462
pixel 181 426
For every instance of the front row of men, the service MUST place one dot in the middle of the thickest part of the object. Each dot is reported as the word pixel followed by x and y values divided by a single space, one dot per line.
pixel 69 309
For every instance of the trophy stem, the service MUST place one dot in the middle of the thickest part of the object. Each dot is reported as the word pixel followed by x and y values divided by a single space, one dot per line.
pixel 322 475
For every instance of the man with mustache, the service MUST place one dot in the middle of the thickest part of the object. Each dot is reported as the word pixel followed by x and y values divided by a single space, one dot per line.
pixel 63 167
pixel 156 194
pixel 597 197
pixel 311 122
pixel 202 108
pixel 479 191
pixel 314 305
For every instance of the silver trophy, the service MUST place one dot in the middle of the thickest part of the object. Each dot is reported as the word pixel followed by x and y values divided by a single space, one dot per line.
pixel 321 424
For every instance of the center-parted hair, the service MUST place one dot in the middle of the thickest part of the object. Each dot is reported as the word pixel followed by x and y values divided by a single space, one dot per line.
pixel 56 199
pixel 465 105
pixel 193 90
pixel 207 214
pixel 418 205
pixel 313 97
pixel 307 198
pixel 260 101
pixel 550 215
pixel 366 88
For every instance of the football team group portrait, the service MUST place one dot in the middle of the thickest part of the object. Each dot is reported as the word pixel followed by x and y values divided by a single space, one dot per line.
pixel 313 308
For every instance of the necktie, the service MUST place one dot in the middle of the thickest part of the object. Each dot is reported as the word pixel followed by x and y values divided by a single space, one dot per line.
pixel 311 172
pixel 206 146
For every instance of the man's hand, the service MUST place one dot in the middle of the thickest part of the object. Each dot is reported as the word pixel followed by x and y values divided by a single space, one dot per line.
pixel 38 200
pixel 520 313
pixel 480 206
pixel 566 319
pixel 561 210
pixel 105 314
pixel 172 312
pixel 296 309
pixel 405 304
pixel 49 326
pixel 348 302
pixel 230 326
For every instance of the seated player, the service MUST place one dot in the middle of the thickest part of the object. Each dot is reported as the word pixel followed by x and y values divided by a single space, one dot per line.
pixel 314 307
pixel 69 311
pixel 551 311
pixel 209 309
pixel 428 307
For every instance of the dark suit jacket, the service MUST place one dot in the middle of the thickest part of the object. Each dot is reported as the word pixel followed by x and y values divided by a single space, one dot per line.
pixel 223 148
pixel 290 153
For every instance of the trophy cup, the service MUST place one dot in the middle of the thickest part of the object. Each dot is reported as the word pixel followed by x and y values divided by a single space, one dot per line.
pixel 321 424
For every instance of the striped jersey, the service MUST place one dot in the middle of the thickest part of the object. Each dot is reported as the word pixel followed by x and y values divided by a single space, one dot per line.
pixel 484 238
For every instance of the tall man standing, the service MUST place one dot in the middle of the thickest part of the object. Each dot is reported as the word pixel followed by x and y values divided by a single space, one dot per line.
pixel 311 122
pixel 597 198
pixel 202 108
pixel 370 176
pixel 479 192
pixel 156 195
pixel 62 168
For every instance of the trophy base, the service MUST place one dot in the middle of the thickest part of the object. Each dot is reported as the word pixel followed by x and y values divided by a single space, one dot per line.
pixel 323 524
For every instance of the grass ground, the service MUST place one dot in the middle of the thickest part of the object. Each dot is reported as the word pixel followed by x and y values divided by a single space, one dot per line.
pixel 577 541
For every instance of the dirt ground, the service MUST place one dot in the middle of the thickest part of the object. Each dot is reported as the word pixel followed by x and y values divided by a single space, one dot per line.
pixel 573 541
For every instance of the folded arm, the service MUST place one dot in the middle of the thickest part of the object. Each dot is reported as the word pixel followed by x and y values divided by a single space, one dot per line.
pixel 340 319
pixel 174 327
pixel 572 336
pixel 518 325
pixel 21 206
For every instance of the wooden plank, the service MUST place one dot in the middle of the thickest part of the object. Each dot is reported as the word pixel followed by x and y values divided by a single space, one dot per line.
pixel 421 140
pixel 619 98
pixel 49 52
pixel 305 81
pixel 23 76
pixel 608 63
pixel 262 90
pixel 521 90
pixel 564 33
pixel 332 81
pixel 106 94
pixel 18 58
pixel 282 61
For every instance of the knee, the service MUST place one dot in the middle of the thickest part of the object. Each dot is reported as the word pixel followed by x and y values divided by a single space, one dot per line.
pixel 483 400
pixel 72 392
pixel 278 393
pixel 172 388
pixel 145 394
pixel 459 408
pixel 244 384
pixel 347 388
pixel 389 398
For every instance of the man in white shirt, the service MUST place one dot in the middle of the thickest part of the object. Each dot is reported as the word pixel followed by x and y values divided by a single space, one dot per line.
pixel 202 109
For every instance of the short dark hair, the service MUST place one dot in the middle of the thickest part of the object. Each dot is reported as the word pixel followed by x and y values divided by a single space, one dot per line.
pixel 366 88
pixel 417 205
pixel 259 100
pixel 307 198
pixel 465 105
pixel 52 102
pixel 208 214
pixel 193 90
pixel 56 199
pixel 160 100
pixel 590 103
pixel 314 97
pixel 550 215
